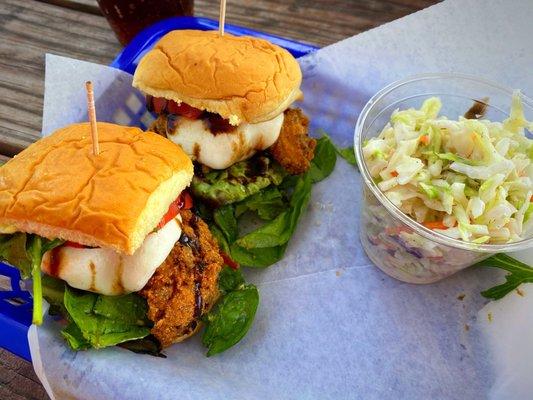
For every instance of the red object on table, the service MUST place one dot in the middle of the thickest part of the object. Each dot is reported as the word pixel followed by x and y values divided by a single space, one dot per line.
pixel 129 17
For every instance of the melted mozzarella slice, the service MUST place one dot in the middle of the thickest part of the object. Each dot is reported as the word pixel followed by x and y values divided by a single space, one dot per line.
pixel 108 272
pixel 224 149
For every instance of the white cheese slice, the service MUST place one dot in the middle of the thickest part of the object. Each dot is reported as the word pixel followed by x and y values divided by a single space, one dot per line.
pixel 107 272
pixel 221 150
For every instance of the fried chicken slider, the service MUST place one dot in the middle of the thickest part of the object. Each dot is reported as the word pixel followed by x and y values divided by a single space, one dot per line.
pixel 123 217
pixel 224 98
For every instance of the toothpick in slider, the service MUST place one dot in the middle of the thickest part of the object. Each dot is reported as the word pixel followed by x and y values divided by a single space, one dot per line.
pixel 222 17
pixel 92 117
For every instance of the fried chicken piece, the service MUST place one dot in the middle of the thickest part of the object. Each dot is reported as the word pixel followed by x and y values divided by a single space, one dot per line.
pixel 185 286
pixel 294 149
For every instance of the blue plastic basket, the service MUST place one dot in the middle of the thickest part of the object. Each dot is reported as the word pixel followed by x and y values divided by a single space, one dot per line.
pixel 15 302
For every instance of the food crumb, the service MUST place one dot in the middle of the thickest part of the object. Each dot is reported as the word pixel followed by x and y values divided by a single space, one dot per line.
pixel 519 292
pixel 467 327
pixel 461 297
pixel 338 272
pixel 489 317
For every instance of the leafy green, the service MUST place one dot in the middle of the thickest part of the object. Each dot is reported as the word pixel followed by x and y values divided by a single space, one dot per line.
pixel 13 251
pixel 237 182
pixel 74 337
pixel 53 290
pixel 148 345
pixel 229 279
pixel 518 273
pixel 267 244
pixel 324 160
pixel 225 219
pixel 231 319
pixel 221 239
pixel 267 204
pixel 348 154
pixel 105 320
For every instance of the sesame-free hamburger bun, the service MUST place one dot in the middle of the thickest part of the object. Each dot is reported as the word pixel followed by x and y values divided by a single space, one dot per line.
pixel 243 79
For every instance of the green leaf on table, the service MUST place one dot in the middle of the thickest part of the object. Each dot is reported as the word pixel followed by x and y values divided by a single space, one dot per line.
pixel 107 320
pixel 348 154
pixel 324 160
pixel 266 245
pixel 74 337
pixel 225 219
pixel 518 273
pixel 268 204
pixel 229 279
pixel 231 319
pixel 147 345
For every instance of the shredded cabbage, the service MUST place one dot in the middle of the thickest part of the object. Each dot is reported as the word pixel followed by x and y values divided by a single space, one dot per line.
pixel 472 177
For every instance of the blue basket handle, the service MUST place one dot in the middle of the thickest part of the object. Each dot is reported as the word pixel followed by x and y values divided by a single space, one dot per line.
pixel 129 57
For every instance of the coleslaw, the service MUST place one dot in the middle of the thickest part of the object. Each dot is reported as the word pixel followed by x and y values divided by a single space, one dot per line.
pixel 469 179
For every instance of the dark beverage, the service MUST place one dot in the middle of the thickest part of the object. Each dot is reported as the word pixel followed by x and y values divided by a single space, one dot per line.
pixel 128 17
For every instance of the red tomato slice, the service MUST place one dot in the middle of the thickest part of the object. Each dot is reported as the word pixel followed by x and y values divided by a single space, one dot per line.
pixel 159 104
pixel 75 245
pixel 183 202
pixel 228 261
pixel 184 110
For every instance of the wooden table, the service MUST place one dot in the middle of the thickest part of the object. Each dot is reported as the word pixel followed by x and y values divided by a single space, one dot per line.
pixel 75 28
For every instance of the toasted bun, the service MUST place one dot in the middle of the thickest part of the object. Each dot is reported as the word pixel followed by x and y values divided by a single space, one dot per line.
pixel 57 188
pixel 240 78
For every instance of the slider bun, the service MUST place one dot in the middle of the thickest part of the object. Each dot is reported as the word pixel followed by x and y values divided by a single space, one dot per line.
pixel 241 78
pixel 57 188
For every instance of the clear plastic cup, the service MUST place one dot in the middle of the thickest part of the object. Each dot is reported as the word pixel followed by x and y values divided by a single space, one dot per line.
pixel 397 244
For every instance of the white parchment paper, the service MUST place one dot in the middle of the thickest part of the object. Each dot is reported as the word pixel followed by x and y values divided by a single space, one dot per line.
pixel 330 325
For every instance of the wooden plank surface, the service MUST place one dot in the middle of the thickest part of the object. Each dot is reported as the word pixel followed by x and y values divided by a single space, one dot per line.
pixel 74 28
pixel 29 29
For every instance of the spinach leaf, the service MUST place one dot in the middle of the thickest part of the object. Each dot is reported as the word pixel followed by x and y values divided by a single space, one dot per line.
pixel 229 279
pixel 13 251
pixel 324 160
pixel 74 337
pixel 267 204
pixel 148 345
pixel 518 273
pixel 225 219
pixel 220 238
pixel 258 257
pixel 36 246
pixel 106 320
pixel 348 154
pixel 231 319
pixel 53 290
pixel 267 244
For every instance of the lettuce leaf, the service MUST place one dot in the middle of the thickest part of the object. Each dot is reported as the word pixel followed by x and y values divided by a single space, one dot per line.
pixel 100 321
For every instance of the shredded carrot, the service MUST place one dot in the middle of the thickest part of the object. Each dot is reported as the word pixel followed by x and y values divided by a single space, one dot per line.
pixel 424 139
pixel 435 225
pixel 531 198
pixel 394 173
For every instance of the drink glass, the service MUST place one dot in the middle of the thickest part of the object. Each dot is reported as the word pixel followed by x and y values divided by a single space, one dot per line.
pixel 129 17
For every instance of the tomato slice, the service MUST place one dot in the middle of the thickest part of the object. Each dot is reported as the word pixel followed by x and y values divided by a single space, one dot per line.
pixel 229 261
pixel 183 202
pixel 159 105
pixel 75 245
pixel 184 110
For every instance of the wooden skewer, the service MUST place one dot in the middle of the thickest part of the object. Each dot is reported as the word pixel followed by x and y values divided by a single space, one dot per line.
pixel 92 117
pixel 222 17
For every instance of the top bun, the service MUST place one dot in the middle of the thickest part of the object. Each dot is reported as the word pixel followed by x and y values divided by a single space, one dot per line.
pixel 241 78
pixel 57 188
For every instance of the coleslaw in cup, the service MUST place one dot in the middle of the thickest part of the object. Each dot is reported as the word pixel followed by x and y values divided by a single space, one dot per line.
pixel 429 250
